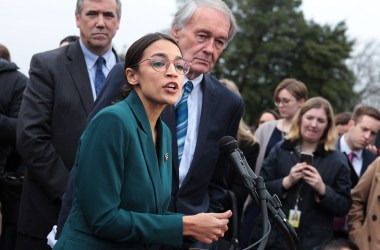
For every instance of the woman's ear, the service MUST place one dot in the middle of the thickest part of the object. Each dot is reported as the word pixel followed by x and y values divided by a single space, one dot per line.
pixel 132 76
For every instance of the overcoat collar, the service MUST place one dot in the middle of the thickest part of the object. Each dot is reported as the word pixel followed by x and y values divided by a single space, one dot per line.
pixel 291 145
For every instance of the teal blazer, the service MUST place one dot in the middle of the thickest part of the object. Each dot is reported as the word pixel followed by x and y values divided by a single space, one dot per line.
pixel 123 184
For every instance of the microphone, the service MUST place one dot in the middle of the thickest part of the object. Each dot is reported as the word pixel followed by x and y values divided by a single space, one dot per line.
pixel 228 147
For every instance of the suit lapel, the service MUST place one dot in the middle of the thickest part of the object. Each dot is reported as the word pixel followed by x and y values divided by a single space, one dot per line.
pixel 77 68
pixel 168 116
pixel 164 178
pixel 147 145
pixel 209 105
pixel 368 157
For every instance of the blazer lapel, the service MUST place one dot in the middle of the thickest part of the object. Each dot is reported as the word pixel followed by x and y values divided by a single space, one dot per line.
pixel 168 116
pixel 165 177
pixel 77 68
pixel 146 143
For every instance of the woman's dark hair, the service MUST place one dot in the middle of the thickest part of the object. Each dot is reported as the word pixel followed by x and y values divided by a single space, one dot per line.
pixel 296 88
pixel 136 51
pixel 270 111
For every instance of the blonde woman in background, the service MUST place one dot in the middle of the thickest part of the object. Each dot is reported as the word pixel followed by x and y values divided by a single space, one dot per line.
pixel 289 96
pixel 311 193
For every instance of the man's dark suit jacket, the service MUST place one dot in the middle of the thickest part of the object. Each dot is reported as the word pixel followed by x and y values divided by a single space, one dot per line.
pixel 205 183
pixel 53 115
pixel 368 158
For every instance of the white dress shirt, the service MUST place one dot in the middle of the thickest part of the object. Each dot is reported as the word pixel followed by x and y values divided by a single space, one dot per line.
pixel 91 58
pixel 357 161
pixel 194 104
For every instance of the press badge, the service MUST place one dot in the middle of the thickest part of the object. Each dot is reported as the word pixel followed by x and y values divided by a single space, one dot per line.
pixel 294 217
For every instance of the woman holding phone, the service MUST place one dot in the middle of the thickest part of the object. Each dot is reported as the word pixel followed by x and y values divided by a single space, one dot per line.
pixel 312 191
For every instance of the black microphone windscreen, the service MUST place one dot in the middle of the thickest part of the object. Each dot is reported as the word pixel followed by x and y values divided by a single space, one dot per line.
pixel 227 144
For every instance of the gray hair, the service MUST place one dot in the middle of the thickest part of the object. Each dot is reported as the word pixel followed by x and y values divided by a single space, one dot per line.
pixel 79 7
pixel 185 13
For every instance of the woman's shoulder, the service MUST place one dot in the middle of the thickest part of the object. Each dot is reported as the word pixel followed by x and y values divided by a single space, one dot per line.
pixel 118 109
pixel 266 129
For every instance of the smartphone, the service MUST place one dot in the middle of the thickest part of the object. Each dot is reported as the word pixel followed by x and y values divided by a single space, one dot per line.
pixel 307 157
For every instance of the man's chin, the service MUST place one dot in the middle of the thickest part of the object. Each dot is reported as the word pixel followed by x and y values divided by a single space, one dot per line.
pixel 200 68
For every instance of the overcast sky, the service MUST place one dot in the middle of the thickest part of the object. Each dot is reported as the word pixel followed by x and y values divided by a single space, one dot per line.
pixel 32 26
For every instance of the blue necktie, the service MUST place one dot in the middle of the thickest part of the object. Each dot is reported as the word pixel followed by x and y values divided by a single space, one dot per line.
pixel 99 75
pixel 182 114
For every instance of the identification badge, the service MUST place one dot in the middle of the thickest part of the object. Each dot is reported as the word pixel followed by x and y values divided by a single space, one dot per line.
pixel 294 217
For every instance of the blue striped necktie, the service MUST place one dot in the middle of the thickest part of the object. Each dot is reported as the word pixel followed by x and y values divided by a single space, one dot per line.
pixel 182 114
pixel 99 75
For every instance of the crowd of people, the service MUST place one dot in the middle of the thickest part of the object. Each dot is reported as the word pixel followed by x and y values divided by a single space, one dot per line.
pixel 97 152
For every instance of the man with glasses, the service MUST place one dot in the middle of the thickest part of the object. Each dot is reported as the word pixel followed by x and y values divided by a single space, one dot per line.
pixel 202 30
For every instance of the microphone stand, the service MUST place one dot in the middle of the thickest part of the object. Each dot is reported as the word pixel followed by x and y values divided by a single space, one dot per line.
pixel 261 197
pixel 256 186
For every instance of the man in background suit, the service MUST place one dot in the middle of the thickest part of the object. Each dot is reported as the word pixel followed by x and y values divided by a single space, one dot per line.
pixel 202 30
pixel 362 130
pixel 58 98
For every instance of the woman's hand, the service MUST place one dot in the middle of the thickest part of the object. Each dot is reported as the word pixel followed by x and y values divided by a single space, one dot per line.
pixel 314 179
pixel 206 227
pixel 295 174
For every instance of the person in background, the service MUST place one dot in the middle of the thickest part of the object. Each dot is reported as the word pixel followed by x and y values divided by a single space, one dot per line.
pixel 338 244
pixel 289 96
pixel 116 155
pixel 202 29
pixel 250 148
pixel 266 116
pixel 341 122
pixel 312 192
pixel 362 129
pixel 12 85
pixel 363 217
pixel 57 100
pixel 67 40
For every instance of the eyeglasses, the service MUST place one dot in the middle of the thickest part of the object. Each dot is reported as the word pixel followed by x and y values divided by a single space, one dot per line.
pixel 161 64
pixel 284 102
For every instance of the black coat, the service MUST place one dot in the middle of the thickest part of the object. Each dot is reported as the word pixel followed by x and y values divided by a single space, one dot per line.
pixel 317 212
pixel 12 85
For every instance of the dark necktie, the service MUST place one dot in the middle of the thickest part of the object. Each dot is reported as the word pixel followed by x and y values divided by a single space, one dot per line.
pixel 99 75
pixel 182 116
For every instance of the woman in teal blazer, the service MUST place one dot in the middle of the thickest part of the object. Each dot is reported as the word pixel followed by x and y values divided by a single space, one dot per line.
pixel 123 180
